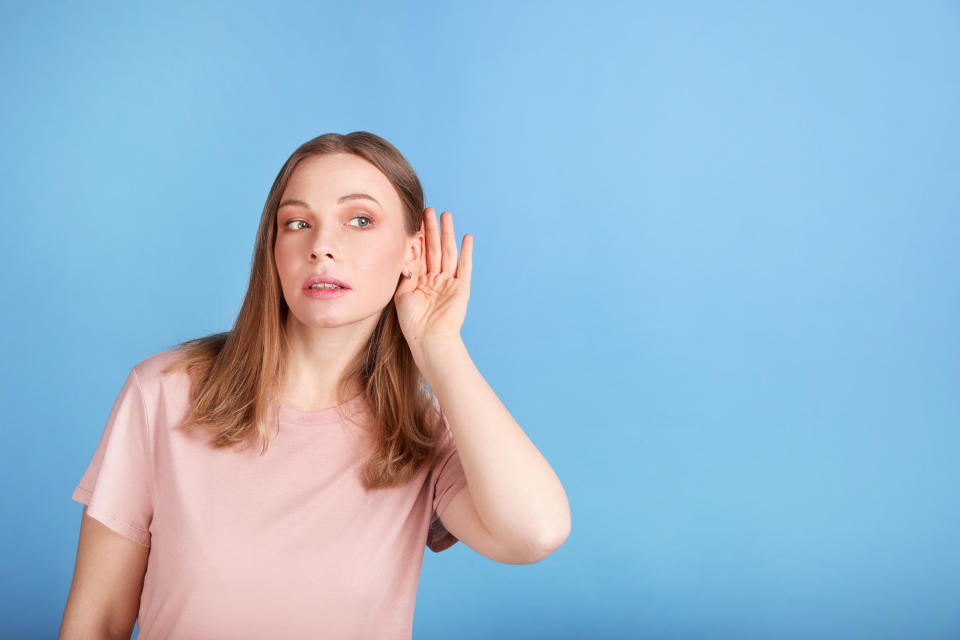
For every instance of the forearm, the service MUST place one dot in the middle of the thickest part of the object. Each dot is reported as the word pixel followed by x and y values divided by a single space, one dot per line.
pixel 515 491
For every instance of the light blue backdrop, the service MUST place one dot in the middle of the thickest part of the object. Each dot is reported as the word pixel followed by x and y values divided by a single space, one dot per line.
pixel 715 280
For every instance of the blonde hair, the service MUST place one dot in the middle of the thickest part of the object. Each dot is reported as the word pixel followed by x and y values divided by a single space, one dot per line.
pixel 235 375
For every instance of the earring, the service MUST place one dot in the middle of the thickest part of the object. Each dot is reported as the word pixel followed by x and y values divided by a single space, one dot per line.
pixel 409 274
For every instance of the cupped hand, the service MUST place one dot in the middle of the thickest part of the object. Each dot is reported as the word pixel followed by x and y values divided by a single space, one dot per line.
pixel 432 304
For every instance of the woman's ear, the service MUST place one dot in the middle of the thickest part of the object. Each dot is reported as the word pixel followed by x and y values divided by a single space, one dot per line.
pixel 414 253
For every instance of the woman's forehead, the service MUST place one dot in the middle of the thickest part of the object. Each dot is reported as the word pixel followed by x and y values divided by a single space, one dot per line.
pixel 338 178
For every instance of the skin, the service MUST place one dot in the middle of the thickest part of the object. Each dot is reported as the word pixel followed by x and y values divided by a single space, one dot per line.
pixel 359 241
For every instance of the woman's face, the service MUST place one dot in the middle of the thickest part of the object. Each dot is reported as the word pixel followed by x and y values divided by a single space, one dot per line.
pixel 325 228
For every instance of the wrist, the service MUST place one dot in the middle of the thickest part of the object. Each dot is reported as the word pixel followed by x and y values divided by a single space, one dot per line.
pixel 435 350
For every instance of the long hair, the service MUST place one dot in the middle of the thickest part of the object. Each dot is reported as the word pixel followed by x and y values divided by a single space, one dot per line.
pixel 235 375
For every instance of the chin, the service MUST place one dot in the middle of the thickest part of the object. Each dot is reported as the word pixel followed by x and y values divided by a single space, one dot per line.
pixel 323 321
pixel 340 318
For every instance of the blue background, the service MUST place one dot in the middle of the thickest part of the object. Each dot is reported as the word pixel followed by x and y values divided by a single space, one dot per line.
pixel 715 280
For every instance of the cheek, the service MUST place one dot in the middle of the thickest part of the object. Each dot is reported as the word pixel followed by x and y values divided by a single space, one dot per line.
pixel 378 270
pixel 283 258
pixel 290 268
pixel 381 261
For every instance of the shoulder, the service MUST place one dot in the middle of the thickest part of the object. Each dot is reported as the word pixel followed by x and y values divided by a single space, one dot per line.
pixel 154 378
pixel 153 366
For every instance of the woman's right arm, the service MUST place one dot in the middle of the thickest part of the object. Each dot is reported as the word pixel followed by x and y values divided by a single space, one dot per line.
pixel 107 581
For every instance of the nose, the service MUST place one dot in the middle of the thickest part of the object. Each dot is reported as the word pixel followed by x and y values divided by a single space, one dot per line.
pixel 324 245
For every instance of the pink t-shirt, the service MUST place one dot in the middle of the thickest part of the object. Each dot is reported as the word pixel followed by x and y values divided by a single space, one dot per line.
pixel 284 545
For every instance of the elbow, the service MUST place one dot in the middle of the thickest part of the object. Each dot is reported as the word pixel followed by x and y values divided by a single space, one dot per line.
pixel 556 530
pixel 558 534
pixel 551 541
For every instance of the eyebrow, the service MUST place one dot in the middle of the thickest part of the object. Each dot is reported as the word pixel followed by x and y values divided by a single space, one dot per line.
pixel 340 200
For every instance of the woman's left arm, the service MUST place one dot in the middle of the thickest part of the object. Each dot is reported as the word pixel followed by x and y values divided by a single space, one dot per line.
pixel 515 492
pixel 519 509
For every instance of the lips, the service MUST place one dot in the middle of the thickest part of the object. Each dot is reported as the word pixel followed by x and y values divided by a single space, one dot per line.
pixel 323 278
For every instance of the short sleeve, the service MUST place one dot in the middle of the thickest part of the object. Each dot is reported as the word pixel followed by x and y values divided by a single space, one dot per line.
pixel 117 486
pixel 447 479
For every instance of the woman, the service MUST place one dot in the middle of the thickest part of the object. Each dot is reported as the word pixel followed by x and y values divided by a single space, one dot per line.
pixel 354 307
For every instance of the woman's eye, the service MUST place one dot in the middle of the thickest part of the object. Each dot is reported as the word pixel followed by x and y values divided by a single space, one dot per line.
pixel 369 221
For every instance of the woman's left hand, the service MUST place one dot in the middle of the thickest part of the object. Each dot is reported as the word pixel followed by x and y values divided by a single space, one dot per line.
pixel 432 304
